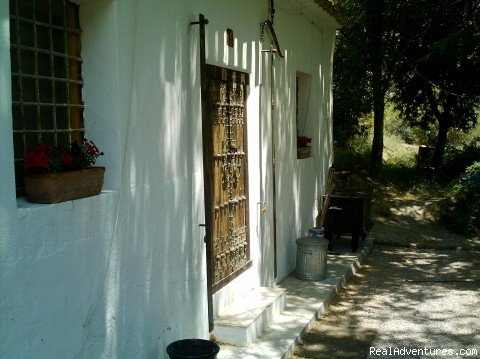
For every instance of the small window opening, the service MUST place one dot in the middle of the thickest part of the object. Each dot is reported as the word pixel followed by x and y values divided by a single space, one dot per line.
pixel 230 40
pixel 303 89
pixel 45 44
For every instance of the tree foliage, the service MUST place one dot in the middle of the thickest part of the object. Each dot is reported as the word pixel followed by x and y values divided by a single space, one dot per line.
pixel 363 63
pixel 351 89
pixel 439 44
pixel 429 53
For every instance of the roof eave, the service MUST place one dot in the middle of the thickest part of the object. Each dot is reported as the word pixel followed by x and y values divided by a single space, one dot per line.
pixel 330 9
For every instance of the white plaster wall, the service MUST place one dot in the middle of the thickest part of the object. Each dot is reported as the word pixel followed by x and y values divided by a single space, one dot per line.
pixel 300 183
pixel 155 287
pixel 123 274
pixel 51 271
pixel 7 180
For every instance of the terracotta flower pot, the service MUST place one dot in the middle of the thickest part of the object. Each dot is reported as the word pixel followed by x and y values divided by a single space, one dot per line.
pixel 63 186
pixel 303 152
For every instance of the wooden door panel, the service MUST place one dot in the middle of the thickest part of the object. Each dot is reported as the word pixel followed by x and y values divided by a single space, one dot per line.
pixel 230 242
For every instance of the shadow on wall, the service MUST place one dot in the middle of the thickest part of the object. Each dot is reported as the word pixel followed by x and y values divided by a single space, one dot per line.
pixel 299 183
pixel 155 283
pixel 266 212
pixel 288 193
pixel 152 294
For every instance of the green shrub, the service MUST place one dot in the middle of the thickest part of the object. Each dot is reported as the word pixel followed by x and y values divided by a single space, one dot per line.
pixel 350 159
pixel 457 159
pixel 467 192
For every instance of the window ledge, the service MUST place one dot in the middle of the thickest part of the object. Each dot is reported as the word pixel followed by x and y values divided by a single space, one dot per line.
pixel 103 197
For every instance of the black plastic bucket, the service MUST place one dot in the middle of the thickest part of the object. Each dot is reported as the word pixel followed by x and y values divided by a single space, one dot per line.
pixel 193 349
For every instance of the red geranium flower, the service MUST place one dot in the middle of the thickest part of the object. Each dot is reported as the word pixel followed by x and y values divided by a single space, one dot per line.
pixel 91 148
pixel 75 156
pixel 66 158
pixel 85 153
pixel 303 140
pixel 39 157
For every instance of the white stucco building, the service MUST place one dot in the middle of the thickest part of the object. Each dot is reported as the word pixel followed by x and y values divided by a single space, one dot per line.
pixel 124 273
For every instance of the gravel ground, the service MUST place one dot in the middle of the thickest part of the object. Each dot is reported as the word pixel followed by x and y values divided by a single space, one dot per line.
pixel 407 223
pixel 404 297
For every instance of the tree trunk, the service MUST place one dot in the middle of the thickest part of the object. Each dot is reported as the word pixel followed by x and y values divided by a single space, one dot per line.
pixel 378 119
pixel 443 127
pixel 374 27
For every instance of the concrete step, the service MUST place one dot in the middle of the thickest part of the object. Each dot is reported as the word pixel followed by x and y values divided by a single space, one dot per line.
pixel 306 301
pixel 249 316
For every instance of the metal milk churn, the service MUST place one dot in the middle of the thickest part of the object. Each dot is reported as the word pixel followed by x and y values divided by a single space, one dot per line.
pixel 312 256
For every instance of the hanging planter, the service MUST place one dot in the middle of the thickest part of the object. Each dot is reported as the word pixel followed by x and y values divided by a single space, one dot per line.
pixel 303 149
pixel 56 175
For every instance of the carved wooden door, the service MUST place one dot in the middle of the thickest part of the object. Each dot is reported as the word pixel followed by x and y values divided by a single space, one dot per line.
pixel 230 254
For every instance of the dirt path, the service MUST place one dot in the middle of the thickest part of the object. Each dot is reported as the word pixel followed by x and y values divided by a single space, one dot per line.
pixel 406 222
pixel 404 297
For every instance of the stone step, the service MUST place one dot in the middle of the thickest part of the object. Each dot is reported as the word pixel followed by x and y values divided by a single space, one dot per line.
pixel 305 302
pixel 249 316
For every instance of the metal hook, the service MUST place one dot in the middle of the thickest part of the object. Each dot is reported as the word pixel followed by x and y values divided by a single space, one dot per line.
pixel 273 49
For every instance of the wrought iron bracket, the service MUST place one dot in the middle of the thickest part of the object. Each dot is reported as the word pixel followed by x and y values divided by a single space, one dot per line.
pixel 275 49
pixel 206 164
pixel 202 21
